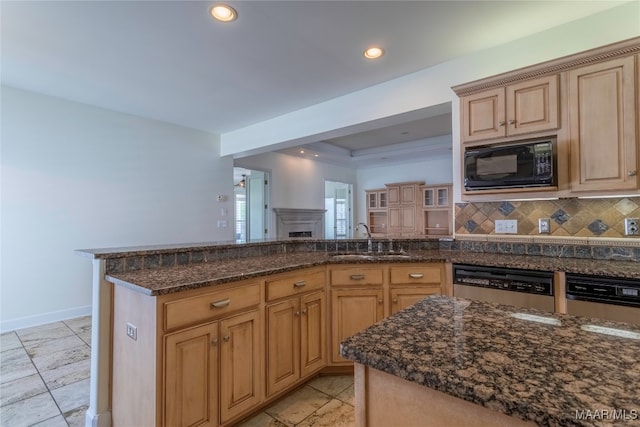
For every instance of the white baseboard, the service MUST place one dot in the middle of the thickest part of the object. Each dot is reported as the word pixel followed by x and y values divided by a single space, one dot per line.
pixel 41 319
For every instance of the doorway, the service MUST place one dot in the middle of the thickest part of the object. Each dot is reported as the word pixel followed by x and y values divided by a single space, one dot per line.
pixel 251 204
pixel 338 216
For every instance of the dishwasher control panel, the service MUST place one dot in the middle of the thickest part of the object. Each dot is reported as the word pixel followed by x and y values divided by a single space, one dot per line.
pixel 603 289
pixel 508 279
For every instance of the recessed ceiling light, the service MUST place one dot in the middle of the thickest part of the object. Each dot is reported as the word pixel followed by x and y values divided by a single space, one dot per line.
pixel 373 52
pixel 301 151
pixel 223 12
pixel 316 155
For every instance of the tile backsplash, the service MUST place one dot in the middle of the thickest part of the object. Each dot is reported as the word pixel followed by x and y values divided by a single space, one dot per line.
pixel 569 217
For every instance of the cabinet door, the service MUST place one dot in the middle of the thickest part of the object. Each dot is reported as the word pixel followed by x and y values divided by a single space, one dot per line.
pixel 532 106
pixel 428 197
pixel 372 200
pixel 602 123
pixel 408 194
pixel 240 373
pixel 313 336
pixel 191 377
pixel 409 219
pixel 402 298
pixel 483 115
pixel 442 197
pixel 382 199
pixel 395 220
pixel 353 310
pixel 283 345
pixel 393 195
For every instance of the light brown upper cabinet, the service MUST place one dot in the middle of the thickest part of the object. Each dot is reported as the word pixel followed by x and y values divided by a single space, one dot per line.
pixel 404 208
pixel 602 126
pixel 519 108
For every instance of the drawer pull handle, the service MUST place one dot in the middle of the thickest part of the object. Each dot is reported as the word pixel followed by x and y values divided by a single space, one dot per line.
pixel 357 277
pixel 416 275
pixel 300 284
pixel 221 304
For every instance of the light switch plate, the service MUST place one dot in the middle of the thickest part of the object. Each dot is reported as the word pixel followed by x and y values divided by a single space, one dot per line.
pixel 507 226
pixel 544 225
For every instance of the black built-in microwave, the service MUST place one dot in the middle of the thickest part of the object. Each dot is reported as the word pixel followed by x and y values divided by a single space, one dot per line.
pixel 525 164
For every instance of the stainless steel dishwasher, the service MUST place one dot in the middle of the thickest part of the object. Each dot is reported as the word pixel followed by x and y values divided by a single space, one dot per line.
pixel 517 287
pixel 605 298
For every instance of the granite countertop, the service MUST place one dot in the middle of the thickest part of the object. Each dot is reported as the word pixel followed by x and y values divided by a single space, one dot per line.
pixel 495 356
pixel 180 278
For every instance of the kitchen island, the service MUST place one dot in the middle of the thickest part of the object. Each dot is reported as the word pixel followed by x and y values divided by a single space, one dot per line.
pixel 450 361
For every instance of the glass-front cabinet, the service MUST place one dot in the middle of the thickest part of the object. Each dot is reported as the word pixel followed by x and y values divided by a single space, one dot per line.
pixel 377 199
pixel 436 210
pixel 436 196
pixel 377 211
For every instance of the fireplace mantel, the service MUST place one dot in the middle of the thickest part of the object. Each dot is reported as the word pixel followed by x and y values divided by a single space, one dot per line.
pixel 299 221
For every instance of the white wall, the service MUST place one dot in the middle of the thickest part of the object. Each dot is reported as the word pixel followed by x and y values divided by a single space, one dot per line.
pixel 75 176
pixel 435 170
pixel 296 182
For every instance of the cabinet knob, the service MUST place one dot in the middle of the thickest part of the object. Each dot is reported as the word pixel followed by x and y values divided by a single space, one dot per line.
pixel 380 301
pixel 304 311
pixel 512 122
pixel 226 338
pixel 395 300
pixel 297 313
pixel 501 123
pixel 214 341
pixel 632 173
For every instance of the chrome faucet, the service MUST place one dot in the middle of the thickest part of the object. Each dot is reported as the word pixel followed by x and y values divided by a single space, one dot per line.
pixel 369 242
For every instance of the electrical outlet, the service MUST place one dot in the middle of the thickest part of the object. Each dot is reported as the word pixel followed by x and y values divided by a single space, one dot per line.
pixel 631 226
pixel 544 225
pixel 507 226
pixel 132 331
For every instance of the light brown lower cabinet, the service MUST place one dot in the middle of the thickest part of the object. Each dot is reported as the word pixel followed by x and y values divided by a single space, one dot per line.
pixel 296 340
pixel 195 359
pixel 192 360
pixel 402 298
pixel 198 357
pixel 240 364
pixel 353 310
pixel 191 376
pixel 411 283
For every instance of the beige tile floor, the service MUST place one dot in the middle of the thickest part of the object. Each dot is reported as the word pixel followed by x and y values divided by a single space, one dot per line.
pixel 44 382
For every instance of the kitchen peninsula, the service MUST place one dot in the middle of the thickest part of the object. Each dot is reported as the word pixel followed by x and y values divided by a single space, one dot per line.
pixel 216 302
pixel 449 361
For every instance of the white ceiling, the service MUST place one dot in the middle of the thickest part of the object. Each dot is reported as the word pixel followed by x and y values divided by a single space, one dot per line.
pixel 168 60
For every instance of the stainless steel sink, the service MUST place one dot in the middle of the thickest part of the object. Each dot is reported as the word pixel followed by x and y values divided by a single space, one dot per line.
pixel 370 256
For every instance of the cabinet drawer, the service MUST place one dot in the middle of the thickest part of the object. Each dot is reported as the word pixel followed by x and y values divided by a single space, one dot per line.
pixel 207 306
pixel 295 284
pixel 356 276
pixel 418 274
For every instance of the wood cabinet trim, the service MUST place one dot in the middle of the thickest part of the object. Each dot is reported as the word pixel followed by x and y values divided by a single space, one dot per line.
pixel 592 56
